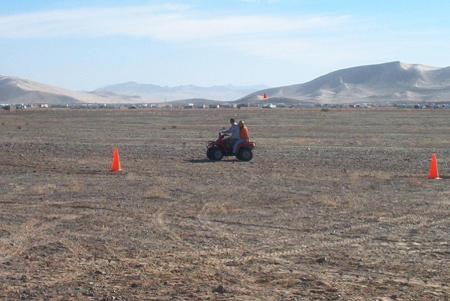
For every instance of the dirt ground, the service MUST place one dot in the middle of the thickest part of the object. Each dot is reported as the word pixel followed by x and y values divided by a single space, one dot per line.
pixel 335 206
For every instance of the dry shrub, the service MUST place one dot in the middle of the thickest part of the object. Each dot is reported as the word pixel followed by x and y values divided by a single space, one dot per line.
pixel 132 176
pixel 43 189
pixel 357 178
pixel 286 282
pixel 305 141
pixel 75 185
pixel 221 209
pixel 327 200
pixel 157 192
pixel 88 161
pixel 378 141
pixel 381 175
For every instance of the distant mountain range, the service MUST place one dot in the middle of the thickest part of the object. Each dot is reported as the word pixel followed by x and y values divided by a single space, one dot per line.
pixel 383 83
pixel 14 90
pixel 150 92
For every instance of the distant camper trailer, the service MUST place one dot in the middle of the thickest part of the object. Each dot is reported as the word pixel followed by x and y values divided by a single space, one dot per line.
pixel 6 107
pixel 189 106
pixel 43 106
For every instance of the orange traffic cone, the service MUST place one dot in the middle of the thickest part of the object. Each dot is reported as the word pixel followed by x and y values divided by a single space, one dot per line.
pixel 434 170
pixel 116 162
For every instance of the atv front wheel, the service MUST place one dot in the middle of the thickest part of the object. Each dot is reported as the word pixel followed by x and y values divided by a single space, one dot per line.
pixel 209 154
pixel 214 154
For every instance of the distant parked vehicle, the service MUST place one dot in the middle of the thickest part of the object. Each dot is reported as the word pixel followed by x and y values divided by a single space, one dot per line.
pixel 226 106
pixel 269 106
pixel 6 107
pixel 242 105
pixel 20 106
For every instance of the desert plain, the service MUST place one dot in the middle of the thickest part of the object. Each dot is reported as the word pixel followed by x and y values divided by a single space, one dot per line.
pixel 335 205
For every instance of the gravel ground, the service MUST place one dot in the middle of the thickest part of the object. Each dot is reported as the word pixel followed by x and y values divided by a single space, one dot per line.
pixel 334 206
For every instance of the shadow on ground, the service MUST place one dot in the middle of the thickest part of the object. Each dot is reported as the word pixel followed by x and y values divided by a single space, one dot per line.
pixel 199 161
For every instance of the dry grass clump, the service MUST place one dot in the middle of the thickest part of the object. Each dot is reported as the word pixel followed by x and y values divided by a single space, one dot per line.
pixel 358 178
pixel 156 192
pixel 74 186
pixel 328 200
pixel 43 189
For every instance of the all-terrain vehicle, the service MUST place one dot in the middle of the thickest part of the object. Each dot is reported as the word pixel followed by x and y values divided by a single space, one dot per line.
pixel 216 150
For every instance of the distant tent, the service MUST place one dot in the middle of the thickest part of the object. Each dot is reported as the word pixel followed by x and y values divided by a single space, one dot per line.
pixel 263 97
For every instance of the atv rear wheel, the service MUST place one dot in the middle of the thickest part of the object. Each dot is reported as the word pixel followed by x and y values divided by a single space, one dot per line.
pixel 214 154
pixel 244 154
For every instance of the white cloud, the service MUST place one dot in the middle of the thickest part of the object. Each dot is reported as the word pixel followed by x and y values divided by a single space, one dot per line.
pixel 167 22
pixel 260 1
pixel 281 37
pixel 85 22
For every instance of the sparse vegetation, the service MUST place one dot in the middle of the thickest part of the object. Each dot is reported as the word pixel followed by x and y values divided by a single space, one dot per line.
pixel 334 206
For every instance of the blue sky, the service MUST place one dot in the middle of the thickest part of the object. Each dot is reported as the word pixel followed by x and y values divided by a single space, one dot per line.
pixel 87 44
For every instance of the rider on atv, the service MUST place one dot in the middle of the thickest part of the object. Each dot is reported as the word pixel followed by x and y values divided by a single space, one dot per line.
pixel 243 136
pixel 234 132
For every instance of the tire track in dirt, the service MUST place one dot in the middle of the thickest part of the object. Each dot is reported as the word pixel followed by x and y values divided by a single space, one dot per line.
pixel 160 223
pixel 413 221
pixel 159 217
pixel 202 218
pixel 391 277
pixel 20 238
pixel 303 250
pixel 49 167
pixel 339 243
pixel 410 224
pixel 33 229
pixel 234 257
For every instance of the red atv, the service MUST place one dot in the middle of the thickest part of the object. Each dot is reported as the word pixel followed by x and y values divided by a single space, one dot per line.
pixel 216 150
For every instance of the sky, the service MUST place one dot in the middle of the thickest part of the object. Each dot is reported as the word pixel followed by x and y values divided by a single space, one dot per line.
pixel 84 45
